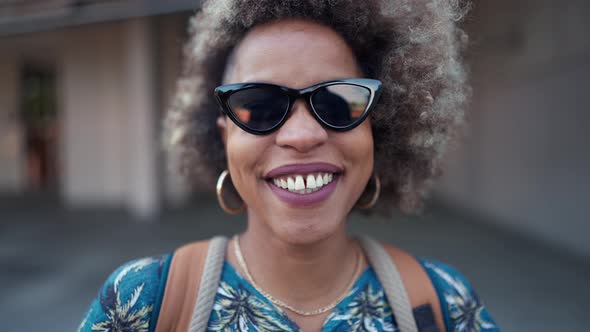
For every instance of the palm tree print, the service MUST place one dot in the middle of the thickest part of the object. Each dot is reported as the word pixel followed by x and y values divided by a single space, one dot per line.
pixel 465 308
pixel 236 309
pixel 124 317
pixel 367 311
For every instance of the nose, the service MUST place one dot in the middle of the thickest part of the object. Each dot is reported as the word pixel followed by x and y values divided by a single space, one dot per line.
pixel 301 132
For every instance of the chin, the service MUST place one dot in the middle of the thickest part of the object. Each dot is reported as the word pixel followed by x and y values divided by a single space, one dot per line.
pixel 299 225
pixel 309 228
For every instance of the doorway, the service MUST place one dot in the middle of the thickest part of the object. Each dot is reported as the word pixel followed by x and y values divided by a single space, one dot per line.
pixel 40 120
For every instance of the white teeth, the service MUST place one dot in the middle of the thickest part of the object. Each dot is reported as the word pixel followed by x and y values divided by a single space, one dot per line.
pixel 304 184
pixel 319 182
pixel 310 182
pixel 299 185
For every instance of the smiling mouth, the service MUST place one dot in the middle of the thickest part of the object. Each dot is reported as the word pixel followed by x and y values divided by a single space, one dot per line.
pixel 304 184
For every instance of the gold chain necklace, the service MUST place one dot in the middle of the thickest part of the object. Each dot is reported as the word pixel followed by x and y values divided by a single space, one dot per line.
pixel 275 301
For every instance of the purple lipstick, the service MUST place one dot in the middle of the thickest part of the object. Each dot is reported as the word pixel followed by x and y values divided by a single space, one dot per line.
pixel 304 184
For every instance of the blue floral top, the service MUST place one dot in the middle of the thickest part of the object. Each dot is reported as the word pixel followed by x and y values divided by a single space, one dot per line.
pixel 131 297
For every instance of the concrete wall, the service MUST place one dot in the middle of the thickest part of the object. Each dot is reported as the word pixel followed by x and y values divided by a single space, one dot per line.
pixel 111 119
pixel 526 160
pixel 94 115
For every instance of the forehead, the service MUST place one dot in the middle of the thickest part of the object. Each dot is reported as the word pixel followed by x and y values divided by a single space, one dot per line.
pixel 294 53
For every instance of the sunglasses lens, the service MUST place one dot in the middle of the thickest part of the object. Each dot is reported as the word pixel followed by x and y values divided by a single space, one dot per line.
pixel 341 105
pixel 259 108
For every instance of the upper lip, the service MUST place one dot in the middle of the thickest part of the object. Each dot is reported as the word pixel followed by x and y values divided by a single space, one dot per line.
pixel 303 169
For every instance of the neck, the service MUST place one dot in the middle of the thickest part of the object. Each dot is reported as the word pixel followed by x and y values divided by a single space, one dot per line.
pixel 308 275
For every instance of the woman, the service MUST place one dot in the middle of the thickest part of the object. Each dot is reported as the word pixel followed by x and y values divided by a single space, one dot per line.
pixel 325 106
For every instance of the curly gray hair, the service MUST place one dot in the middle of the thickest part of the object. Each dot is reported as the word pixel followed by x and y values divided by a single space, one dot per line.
pixel 412 46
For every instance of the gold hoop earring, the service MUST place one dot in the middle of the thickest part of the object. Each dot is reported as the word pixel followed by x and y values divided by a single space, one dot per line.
pixel 220 198
pixel 374 196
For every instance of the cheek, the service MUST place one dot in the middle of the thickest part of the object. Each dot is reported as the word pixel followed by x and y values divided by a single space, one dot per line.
pixel 237 147
pixel 360 147
pixel 245 152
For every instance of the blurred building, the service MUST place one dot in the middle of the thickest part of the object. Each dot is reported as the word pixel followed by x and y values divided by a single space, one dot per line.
pixel 83 86
pixel 525 163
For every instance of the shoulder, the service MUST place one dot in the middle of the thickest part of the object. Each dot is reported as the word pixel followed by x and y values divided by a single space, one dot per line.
pixel 417 283
pixel 412 274
pixel 462 308
pixel 455 303
pixel 130 296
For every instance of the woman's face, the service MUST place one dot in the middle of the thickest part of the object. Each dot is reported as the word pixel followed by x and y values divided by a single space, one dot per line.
pixel 297 54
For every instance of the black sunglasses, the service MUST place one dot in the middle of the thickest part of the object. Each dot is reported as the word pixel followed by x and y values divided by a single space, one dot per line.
pixel 260 108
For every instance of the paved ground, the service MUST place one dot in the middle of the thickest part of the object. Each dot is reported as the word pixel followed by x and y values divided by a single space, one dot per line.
pixel 52 261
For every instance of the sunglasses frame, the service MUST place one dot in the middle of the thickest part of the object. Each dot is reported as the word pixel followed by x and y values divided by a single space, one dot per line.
pixel 224 92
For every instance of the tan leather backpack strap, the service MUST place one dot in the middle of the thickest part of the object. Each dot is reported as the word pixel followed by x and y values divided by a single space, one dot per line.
pixel 417 282
pixel 182 287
